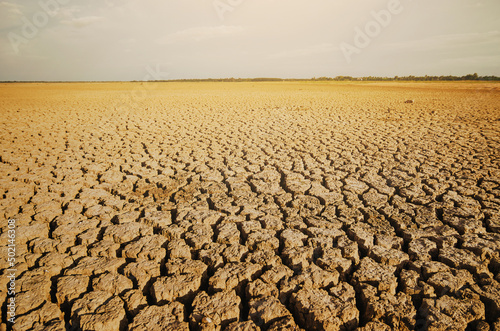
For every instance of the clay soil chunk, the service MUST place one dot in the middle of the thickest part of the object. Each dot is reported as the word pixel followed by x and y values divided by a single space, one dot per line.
pixel 166 317
pixel 99 310
pixel 217 311
pixel 178 287
pixel 317 310
pixel 234 276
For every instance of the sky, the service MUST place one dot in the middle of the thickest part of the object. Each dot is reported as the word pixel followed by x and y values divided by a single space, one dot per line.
pixel 109 40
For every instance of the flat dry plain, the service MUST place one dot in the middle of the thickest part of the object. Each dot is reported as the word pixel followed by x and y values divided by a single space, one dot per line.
pixel 247 206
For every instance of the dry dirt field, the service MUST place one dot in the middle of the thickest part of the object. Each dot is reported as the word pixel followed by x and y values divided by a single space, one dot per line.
pixel 251 206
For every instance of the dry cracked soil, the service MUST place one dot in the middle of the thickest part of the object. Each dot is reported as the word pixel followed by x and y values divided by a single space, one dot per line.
pixel 251 206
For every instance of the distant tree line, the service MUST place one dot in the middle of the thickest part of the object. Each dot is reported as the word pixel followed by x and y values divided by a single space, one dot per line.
pixel 261 79
pixel 411 78
pixel 338 78
pixel 349 78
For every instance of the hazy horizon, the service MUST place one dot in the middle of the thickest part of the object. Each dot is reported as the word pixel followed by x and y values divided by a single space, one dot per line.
pixel 127 40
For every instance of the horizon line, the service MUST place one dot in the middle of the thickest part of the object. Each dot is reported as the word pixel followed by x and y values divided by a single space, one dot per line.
pixel 469 77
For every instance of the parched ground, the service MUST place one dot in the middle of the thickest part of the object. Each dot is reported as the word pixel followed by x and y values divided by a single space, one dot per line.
pixel 247 206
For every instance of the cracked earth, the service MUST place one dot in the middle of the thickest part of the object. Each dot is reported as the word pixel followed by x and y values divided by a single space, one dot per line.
pixel 252 206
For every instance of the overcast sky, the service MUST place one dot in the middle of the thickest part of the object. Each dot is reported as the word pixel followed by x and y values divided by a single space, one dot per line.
pixel 173 39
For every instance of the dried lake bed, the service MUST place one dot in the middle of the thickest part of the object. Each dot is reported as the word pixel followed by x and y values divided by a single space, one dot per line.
pixel 250 206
